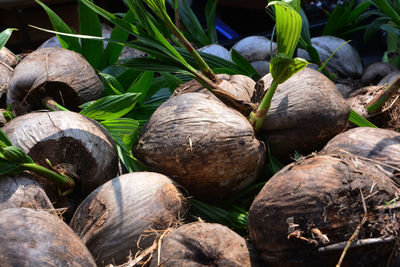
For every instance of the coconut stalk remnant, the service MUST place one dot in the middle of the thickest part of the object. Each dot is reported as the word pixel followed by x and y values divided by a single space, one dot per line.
pixel 36 238
pixel 126 214
pixel 318 202
pixel 52 72
pixel 202 244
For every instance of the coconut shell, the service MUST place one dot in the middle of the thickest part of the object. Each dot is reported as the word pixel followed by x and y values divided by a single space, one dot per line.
pixel 306 112
pixel 202 144
pixel 346 62
pixel 5 76
pixel 382 146
pixel 122 216
pixel 22 191
pixel 66 137
pixel 389 78
pixel 376 71
pixel 202 244
pixel 8 57
pixel 216 50
pixel 255 48
pixel 262 67
pixel 36 238
pixel 55 72
pixel 316 203
pixel 237 85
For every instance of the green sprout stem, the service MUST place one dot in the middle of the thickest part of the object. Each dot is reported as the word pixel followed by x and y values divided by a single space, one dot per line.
pixel 50 104
pixel 61 180
pixel 257 118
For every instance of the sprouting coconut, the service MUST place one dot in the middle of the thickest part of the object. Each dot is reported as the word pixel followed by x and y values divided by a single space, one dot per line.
pixel 239 86
pixel 306 213
pixel 52 72
pixel 36 238
pixel 376 71
pixel 71 143
pixel 208 148
pixel 381 146
pixel 22 191
pixel 123 215
pixel 306 112
pixel 346 62
pixel 216 50
pixel 202 244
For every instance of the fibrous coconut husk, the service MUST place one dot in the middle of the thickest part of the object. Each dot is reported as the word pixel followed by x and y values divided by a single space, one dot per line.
pixel 346 63
pixel 36 238
pixel 208 148
pixel 59 73
pixel 307 212
pixel 5 76
pixel 202 244
pixel 22 191
pixel 124 215
pixel 380 146
pixel 306 112
pixel 8 57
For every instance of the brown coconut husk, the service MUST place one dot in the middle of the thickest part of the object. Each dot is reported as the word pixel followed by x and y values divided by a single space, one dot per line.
pixel 202 244
pixel 23 191
pixel 208 148
pixel 123 216
pixel 306 112
pixel 53 72
pixel 376 71
pixel 380 146
pixel 307 212
pixel 36 238
pixel 8 57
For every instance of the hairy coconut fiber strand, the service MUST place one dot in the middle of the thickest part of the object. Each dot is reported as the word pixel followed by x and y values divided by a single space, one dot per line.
pixel 346 63
pixel 382 146
pixel 122 216
pixel 317 203
pixel 202 144
pixel 306 111
pixel 202 244
pixel 55 72
pixel 239 86
pixel 22 191
pixel 36 238
pixel 70 141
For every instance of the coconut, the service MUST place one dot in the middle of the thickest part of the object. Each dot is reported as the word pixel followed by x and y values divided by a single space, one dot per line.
pixel 389 78
pixel 202 244
pixel 381 146
pixel 306 213
pixel 123 216
pixel 306 112
pixel 22 191
pixel 202 144
pixel 52 72
pixel 240 86
pixel 8 57
pixel 376 71
pixel 262 67
pixel 74 144
pixel 216 50
pixel 255 48
pixel 5 76
pixel 36 238
pixel 346 62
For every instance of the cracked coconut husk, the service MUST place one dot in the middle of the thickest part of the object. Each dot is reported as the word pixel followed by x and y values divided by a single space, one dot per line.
pixel 317 202
pixel 125 215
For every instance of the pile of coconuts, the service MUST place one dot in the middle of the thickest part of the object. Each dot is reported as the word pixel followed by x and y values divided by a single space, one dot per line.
pixel 196 145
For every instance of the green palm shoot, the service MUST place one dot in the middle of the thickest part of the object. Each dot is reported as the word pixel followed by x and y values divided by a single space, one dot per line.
pixel 283 65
